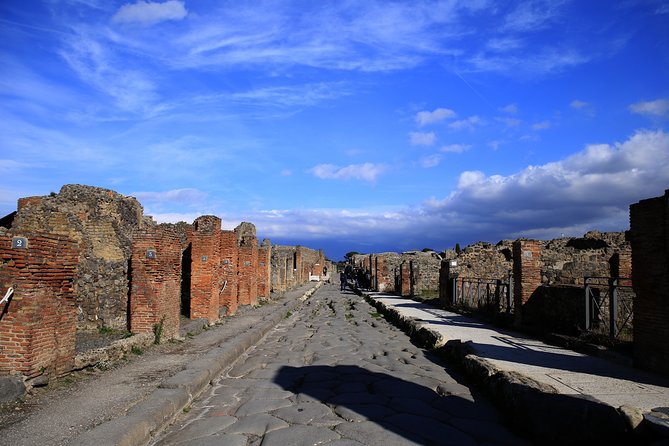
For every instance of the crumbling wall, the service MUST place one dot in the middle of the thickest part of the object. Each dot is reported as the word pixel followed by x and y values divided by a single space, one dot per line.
pixel 102 222
pixel 649 234
pixel 156 282
pixel 228 272
pixel 205 275
pixel 386 267
pixel 247 264
pixel 264 269
pixel 566 261
pixel 38 323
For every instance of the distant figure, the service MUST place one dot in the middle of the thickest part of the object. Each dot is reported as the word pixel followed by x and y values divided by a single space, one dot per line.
pixel 342 281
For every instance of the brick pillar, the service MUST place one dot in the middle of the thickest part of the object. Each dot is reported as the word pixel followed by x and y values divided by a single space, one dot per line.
pixel 526 274
pixel 405 279
pixel 264 269
pixel 649 236
pixel 155 283
pixel 229 265
pixel 299 261
pixel 205 268
pixel 38 325
pixel 248 271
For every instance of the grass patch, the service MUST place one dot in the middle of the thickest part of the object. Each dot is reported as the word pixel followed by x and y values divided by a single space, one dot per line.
pixel 288 314
pixel 135 350
pixel 104 330
pixel 348 316
pixel 376 315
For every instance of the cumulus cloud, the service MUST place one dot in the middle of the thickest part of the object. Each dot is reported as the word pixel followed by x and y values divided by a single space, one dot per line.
pixel 422 138
pixel 658 107
pixel 592 189
pixel 431 117
pixel 510 122
pixel 365 172
pixel 150 13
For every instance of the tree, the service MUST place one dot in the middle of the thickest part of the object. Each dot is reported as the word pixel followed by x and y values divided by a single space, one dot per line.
pixel 457 248
pixel 428 249
pixel 350 255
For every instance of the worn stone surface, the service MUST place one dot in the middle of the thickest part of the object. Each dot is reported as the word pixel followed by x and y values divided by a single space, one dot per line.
pixel 336 374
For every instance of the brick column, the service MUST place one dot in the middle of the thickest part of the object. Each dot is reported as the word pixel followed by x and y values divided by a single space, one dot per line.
pixel 649 231
pixel 264 269
pixel 38 325
pixel 405 278
pixel 229 265
pixel 206 259
pixel 526 274
pixel 248 271
pixel 155 283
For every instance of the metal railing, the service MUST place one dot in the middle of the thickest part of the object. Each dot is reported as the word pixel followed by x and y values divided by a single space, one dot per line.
pixel 609 306
pixel 479 292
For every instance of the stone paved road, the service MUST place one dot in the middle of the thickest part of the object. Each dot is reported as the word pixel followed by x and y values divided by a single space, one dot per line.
pixel 336 373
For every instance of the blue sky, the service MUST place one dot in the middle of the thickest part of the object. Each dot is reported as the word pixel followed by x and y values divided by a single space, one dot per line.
pixel 345 125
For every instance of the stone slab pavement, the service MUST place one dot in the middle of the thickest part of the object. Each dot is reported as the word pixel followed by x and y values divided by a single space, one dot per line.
pixel 546 378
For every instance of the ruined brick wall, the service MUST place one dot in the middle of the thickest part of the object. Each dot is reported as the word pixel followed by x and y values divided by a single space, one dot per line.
pixel 484 261
pixel 282 268
pixel 526 274
pixel 264 267
pixel 38 325
pixel 385 267
pixel 205 266
pixel 247 265
pixel 102 222
pixel 649 234
pixel 156 281
pixel 228 272
pixel 566 261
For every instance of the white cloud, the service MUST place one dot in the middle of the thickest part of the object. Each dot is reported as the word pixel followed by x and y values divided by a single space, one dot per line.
pixel 431 117
pixel 422 138
pixel 543 125
pixel 149 13
pixel 578 104
pixel 286 172
pixel 532 15
pixel 179 196
pixel 658 107
pixel 455 148
pixel 366 172
pixel 511 108
pixel 510 122
pixel 467 123
pixel 430 161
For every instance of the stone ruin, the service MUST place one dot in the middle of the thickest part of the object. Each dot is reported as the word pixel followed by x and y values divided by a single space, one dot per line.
pixel 87 259
pixel 544 281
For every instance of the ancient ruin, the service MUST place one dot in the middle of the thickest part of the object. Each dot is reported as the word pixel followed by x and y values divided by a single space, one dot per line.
pixel 87 260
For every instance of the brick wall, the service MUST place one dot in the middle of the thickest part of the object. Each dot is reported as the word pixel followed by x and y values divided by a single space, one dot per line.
pixel 649 234
pixel 228 271
pixel 526 274
pixel 38 325
pixel 264 266
pixel 156 275
pixel 206 260
pixel 102 222
pixel 385 266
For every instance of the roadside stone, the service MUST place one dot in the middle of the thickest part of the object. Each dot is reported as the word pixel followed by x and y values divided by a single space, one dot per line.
pixel 11 389
pixel 258 424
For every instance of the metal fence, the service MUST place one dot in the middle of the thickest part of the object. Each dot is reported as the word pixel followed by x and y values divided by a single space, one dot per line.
pixel 609 306
pixel 492 294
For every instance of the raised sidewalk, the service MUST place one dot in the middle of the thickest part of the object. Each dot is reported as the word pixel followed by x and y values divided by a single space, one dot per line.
pixel 546 390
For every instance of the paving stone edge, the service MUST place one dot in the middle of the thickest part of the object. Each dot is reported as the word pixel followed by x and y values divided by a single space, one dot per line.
pixel 177 392
pixel 533 408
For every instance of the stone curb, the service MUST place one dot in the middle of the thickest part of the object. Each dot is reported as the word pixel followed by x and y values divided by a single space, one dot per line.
pixel 536 409
pixel 175 393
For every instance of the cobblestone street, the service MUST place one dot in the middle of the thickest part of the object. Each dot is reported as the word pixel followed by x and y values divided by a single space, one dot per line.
pixel 336 373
